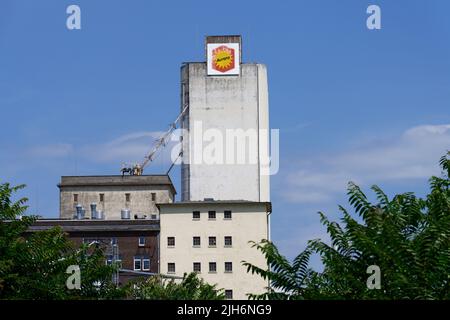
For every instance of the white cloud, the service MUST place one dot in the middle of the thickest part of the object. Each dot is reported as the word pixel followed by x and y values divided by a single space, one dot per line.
pixel 58 150
pixel 128 148
pixel 412 155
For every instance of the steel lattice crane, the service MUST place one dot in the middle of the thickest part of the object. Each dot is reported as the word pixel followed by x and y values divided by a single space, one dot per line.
pixel 138 169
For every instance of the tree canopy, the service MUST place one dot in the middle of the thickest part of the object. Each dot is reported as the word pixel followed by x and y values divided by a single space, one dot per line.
pixel 406 237
pixel 33 265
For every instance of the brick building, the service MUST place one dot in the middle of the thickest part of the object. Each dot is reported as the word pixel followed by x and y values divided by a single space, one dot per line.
pixel 135 242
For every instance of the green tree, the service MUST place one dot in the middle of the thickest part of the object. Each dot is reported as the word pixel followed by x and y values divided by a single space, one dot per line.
pixel 407 237
pixel 287 280
pixel 191 287
pixel 34 266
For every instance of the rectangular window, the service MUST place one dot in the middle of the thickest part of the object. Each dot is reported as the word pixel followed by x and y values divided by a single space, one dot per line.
pixel 212 241
pixel 212 267
pixel 110 261
pixel 196 215
pixel 146 264
pixel 75 197
pixel 102 197
pixel 137 263
pixel 127 197
pixel 229 294
pixel 227 214
pixel 228 267
pixel 171 267
pixel 228 241
pixel 197 267
pixel 153 196
pixel 196 241
pixel 141 241
pixel 171 241
pixel 211 215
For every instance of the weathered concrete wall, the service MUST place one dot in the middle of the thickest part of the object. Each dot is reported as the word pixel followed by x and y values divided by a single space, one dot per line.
pixel 249 222
pixel 221 103
pixel 114 200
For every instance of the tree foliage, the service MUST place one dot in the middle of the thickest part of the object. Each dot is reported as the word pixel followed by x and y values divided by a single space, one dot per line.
pixel 34 266
pixel 407 237
pixel 191 287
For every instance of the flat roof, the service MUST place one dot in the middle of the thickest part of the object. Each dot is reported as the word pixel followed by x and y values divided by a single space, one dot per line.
pixel 116 180
pixel 214 202
pixel 74 225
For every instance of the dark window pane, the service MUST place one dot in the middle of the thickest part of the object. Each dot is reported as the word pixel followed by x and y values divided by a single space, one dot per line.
pixel 227 214
pixel 146 264
pixel 137 264
pixel 228 266
pixel 228 241
pixel 229 294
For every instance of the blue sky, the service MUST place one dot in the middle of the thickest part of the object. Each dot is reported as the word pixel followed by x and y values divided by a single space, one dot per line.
pixel 372 106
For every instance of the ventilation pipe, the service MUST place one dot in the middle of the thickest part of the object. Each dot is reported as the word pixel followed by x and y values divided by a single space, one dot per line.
pixel 94 211
pixel 79 212
pixel 125 214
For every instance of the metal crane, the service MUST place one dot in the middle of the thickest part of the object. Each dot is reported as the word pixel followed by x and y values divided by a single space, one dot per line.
pixel 138 168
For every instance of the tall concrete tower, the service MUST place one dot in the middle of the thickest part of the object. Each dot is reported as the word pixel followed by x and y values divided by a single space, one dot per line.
pixel 226 125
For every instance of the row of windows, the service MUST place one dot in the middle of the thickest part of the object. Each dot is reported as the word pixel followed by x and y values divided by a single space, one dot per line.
pixel 196 241
pixel 113 241
pixel 102 197
pixel 197 267
pixel 212 215
pixel 141 263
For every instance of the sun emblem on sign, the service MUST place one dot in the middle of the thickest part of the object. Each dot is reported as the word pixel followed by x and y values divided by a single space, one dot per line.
pixel 223 59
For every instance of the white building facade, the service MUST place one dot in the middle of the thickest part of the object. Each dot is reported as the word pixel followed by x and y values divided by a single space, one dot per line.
pixel 225 130
pixel 225 192
pixel 212 238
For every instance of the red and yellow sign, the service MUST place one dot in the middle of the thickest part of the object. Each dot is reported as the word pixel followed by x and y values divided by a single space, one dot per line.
pixel 223 58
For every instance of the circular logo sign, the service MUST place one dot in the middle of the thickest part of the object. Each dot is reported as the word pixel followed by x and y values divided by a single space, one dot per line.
pixel 223 59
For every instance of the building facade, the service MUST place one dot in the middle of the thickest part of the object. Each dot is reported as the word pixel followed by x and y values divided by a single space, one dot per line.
pixel 212 238
pixel 133 244
pixel 225 179
pixel 112 194
pixel 226 128
pixel 225 200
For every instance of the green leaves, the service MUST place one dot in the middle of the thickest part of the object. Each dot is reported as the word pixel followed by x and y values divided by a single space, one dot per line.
pixel 407 237
pixel 158 288
pixel 33 265
pixel 286 279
